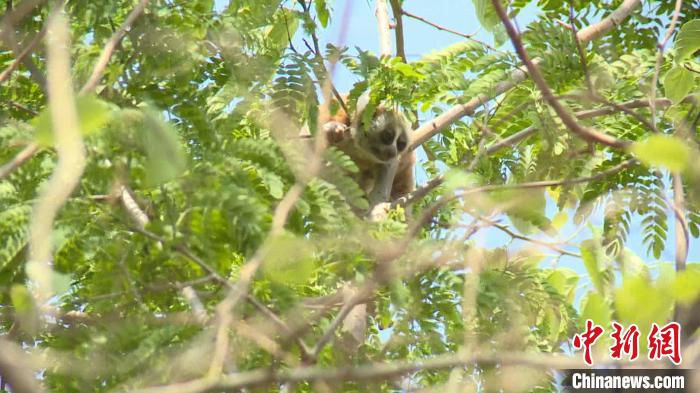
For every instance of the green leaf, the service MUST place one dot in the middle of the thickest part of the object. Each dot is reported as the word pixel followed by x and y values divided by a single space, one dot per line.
pixel 322 12
pixel 593 259
pixel 687 284
pixel 21 298
pixel 662 150
pixel 25 309
pixel 288 259
pixel 678 82
pixel 407 71
pixel 486 14
pixel 93 114
pixel 639 301
pixel 165 158
pixel 688 40
pixel 595 307
pixel 455 179
pixel 564 281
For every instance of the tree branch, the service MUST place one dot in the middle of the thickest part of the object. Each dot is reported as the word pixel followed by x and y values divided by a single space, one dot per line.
pixel 518 236
pixel 366 372
pixel 109 48
pixel 382 14
pixel 682 233
pixel 71 156
pixel 17 161
pixel 431 210
pixel 616 17
pixel 526 133
pixel 16 369
pixel 586 133
pixel 660 58
pixel 435 126
pixel 398 30
pixel 19 59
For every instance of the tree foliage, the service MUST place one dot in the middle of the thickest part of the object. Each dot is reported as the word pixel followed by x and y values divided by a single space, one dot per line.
pixel 203 247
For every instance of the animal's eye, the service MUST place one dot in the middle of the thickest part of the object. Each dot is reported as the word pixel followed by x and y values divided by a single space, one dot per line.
pixel 400 144
pixel 387 137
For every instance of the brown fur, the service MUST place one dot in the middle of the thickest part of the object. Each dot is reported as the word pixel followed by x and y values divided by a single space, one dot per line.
pixel 364 148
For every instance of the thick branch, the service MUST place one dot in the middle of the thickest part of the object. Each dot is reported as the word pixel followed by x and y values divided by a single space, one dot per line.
pixel 616 17
pixel 366 372
pixel 69 148
pixel 382 14
pixel 15 368
pixel 22 56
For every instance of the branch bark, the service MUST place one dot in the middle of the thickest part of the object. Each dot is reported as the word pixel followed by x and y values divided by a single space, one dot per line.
pixel 109 48
pixel 435 126
pixel 372 371
pixel 15 368
pixel 382 13
pixel 586 133
pixel 70 151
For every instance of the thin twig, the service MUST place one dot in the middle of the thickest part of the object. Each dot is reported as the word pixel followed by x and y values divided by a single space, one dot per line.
pixel 350 303
pixel 437 26
pixel 581 52
pixel 542 243
pixel 682 232
pixel 21 157
pixel 432 210
pixel 660 59
pixel 109 48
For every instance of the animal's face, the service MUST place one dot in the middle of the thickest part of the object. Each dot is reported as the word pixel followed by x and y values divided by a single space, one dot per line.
pixel 384 137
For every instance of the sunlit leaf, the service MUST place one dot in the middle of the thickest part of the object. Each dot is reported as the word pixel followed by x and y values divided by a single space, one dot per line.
pixel 678 82
pixel 93 114
pixel 661 150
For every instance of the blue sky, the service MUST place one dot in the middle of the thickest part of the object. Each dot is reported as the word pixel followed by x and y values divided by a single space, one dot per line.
pixel 422 39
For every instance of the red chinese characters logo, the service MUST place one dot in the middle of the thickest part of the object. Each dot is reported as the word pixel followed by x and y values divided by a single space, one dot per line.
pixel 662 341
pixel 587 339
pixel 627 343
pixel 665 341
